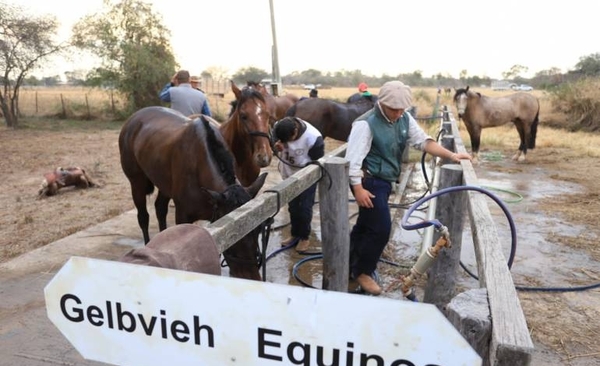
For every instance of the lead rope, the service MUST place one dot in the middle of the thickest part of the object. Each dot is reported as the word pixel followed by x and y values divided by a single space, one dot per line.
pixel 266 232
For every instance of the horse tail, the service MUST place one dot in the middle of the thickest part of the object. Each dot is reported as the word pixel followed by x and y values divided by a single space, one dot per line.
pixel 533 131
pixel 291 111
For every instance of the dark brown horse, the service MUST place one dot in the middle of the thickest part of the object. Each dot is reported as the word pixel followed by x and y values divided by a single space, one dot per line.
pixel 331 118
pixel 189 162
pixel 478 111
pixel 247 133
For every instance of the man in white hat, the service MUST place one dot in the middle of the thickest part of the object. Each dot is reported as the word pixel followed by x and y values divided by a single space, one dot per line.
pixel 375 148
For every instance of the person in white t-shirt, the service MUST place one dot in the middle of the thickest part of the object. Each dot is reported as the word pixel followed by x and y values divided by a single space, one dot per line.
pixel 298 143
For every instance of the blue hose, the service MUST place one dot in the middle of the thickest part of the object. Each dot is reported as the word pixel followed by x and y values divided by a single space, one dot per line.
pixel 513 248
pixel 438 225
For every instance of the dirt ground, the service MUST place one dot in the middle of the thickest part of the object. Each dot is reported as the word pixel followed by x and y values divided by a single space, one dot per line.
pixel 564 325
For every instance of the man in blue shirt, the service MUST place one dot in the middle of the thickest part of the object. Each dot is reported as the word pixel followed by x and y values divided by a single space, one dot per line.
pixel 183 97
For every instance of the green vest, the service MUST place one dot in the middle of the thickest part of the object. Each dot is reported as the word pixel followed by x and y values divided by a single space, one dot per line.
pixel 384 159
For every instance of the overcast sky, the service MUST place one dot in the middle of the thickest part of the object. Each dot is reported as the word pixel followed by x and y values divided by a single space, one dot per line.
pixel 485 38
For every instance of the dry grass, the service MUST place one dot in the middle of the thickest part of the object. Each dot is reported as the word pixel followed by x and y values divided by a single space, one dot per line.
pixel 81 102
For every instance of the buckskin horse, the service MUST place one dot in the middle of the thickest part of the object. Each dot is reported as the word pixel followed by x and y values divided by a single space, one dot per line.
pixel 247 133
pixel 331 118
pixel 478 111
pixel 190 163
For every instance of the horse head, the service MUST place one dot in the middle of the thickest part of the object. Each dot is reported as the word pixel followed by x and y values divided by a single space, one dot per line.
pixel 243 258
pixel 460 100
pixel 251 117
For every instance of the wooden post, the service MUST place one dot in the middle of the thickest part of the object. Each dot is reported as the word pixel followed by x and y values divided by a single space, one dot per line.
pixel 36 102
pixel 112 102
pixel 87 105
pixel 450 211
pixel 64 109
pixel 469 312
pixel 335 227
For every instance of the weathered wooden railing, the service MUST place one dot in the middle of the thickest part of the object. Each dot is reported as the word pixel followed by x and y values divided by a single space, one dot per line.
pixel 490 318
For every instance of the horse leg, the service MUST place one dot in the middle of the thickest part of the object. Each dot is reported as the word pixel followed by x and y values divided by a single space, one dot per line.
pixel 523 136
pixel 138 192
pixel 161 206
pixel 475 136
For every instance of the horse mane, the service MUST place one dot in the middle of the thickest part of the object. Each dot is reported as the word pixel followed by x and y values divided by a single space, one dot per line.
pixel 220 153
pixel 460 91
pixel 463 91
pixel 248 92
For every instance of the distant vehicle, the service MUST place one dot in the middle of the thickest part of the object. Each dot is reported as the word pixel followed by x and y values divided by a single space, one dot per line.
pixel 308 86
pixel 523 87
pixel 500 85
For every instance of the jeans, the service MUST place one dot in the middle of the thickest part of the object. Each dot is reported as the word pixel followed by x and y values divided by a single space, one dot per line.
pixel 371 233
pixel 301 213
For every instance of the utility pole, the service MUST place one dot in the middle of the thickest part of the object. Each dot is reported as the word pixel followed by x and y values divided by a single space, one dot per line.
pixel 276 82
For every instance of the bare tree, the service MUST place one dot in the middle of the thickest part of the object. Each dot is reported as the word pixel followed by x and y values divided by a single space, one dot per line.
pixel 25 41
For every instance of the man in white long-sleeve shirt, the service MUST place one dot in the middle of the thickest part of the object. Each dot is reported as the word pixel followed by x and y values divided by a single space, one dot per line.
pixel 375 147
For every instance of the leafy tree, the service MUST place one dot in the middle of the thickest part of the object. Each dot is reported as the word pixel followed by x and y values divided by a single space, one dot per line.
pixel 32 81
pixel 25 41
pixel 249 74
pixel 75 77
pixel 589 65
pixel 216 73
pixel 51 80
pixel 515 72
pixel 134 49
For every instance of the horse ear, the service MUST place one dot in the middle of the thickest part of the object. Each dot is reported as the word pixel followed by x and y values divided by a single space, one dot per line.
pixel 256 185
pixel 214 198
pixel 467 89
pixel 236 91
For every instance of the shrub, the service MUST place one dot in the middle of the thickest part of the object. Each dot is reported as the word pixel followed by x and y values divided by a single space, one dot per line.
pixel 580 102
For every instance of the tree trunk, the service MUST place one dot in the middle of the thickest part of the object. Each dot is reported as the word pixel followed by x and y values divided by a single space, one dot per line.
pixel 8 116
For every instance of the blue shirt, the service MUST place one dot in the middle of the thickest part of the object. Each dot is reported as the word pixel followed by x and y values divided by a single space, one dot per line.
pixel 185 99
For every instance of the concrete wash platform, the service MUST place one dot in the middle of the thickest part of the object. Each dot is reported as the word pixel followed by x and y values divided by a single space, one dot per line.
pixel 27 337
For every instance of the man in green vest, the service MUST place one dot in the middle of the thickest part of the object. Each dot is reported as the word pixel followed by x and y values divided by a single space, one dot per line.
pixel 375 147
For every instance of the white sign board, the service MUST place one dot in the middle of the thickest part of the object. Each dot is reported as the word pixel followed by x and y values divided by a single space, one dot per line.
pixel 126 314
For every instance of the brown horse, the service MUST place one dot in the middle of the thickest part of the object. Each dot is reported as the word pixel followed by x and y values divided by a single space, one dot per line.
pixel 331 118
pixel 478 111
pixel 189 162
pixel 247 133
pixel 277 106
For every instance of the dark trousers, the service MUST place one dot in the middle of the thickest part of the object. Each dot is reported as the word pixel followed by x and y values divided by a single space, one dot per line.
pixel 371 232
pixel 301 213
